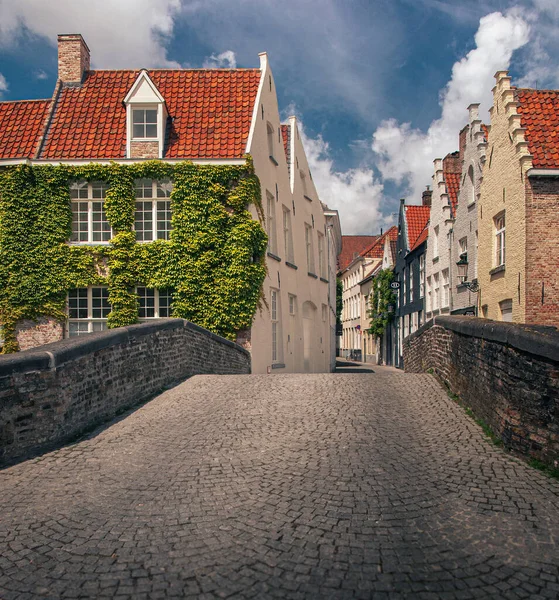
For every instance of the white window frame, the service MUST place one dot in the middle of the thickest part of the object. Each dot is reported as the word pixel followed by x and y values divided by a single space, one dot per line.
pixel 271 223
pixel 91 323
pixel 270 138
pixel 500 248
pixel 505 310
pixel 422 276
pixel 159 311
pixel 293 304
pixel 446 289
pixel 83 195
pixel 463 243
pixel 275 317
pixel 437 292
pixel 410 272
pixel 145 108
pixel 160 202
pixel 436 243
pixel 321 256
pixel 310 248
pixel 429 299
pixel 288 235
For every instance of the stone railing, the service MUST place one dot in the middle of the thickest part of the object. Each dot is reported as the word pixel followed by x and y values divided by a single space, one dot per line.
pixel 48 395
pixel 507 373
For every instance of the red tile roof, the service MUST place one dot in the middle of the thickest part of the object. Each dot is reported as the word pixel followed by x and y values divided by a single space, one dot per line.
pixel 210 114
pixel 21 126
pixel 417 218
pixel 285 136
pixel 376 250
pixel 539 110
pixel 352 246
pixel 485 130
pixel 452 181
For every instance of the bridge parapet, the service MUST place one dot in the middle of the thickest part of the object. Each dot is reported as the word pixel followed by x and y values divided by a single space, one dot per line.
pixel 50 394
pixel 507 373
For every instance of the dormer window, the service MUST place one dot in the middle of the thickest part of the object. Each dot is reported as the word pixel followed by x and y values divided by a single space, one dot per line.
pixel 146 118
pixel 144 122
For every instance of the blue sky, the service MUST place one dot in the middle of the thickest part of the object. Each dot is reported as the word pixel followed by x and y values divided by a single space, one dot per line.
pixel 381 86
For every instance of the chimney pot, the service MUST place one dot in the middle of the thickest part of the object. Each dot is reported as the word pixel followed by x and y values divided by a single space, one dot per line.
pixel 426 197
pixel 73 58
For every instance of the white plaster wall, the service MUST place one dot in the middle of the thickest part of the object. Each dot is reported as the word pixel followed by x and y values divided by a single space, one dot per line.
pixel 310 292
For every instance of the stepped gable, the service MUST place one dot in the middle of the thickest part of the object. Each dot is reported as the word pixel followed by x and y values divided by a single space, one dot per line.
pixel 352 246
pixel 210 113
pixel 417 221
pixel 539 112
pixel 21 126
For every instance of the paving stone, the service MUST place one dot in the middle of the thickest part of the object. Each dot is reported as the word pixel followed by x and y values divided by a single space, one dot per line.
pixel 289 486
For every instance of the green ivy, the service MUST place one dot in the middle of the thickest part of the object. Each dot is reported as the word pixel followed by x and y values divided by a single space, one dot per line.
pixel 214 260
pixel 383 297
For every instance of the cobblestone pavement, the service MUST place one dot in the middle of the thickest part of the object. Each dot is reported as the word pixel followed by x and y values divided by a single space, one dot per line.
pixel 305 486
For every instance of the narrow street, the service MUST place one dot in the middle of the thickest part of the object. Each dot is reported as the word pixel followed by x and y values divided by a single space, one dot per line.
pixel 356 485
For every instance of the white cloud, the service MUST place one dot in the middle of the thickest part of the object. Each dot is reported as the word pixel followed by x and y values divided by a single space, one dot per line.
pixel 354 193
pixel 120 33
pixel 40 74
pixel 225 60
pixel 3 85
pixel 405 155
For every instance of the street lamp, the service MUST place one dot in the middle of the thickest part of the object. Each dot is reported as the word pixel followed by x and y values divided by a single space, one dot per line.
pixel 462 265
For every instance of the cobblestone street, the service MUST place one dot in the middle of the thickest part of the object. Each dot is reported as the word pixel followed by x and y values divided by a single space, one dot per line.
pixel 359 485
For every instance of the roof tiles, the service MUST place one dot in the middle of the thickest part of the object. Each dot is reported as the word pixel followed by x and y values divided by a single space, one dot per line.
pixel 417 218
pixel 210 112
pixel 452 181
pixel 353 246
pixel 21 126
pixel 539 110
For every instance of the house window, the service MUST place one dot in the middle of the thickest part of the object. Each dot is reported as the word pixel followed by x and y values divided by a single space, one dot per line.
pixel 288 235
pixel 153 303
pixel 472 197
pixel 422 276
pixel 310 248
pixel 321 257
pixel 271 223
pixel 506 310
pixel 436 243
pixel 144 123
pixel 292 304
pixel 463 245
pixel 429 295
pixel 405 290
pixel 419 318
pixel 437 292
pixel 275 312
pixel 88 309
pixel 152 219
pixel 500 240
pixel 410 271
pixel 270 134
pixel 89 220
pixel 324 312
pixel 445 288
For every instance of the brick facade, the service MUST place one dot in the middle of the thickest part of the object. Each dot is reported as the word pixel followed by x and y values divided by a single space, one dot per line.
pixel 144 149
pixel 507 373
pixel 36 333
pixel 542 250
pixel 50 395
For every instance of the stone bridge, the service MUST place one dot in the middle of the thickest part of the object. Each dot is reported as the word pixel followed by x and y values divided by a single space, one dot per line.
pixel 360 485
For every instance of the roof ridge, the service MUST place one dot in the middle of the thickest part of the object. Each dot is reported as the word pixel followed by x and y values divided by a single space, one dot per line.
pixel 25 100
pixel 171 70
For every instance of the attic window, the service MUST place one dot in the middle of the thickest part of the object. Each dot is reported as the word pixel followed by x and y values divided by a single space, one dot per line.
pixel 144 122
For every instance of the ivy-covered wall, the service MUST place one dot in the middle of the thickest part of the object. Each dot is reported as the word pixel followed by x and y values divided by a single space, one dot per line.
pixel 214 260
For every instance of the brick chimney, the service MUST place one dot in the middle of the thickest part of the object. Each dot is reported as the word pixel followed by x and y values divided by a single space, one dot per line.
pixel 452 163
pixel 426 197
pixel 73 58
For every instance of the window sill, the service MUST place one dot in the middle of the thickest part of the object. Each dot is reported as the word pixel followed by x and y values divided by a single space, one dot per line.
pixel 435 259
pixel 278 366
pixel 274 160
pixel 291 265
pixel 89 243
pixel 312 275
pixel 273 256
pixel 325 280
pixel 499 269
pixel 307 198
pixel 144 139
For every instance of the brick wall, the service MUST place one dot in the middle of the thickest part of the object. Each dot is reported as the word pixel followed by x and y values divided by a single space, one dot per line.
pixel 542 250
pixel 507 373
pixel 73 58
pixel 36 333
pixel 51 394
pixel 144 149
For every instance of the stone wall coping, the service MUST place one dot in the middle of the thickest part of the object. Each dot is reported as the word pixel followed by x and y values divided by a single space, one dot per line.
pixel 540 341
pixel 51 356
